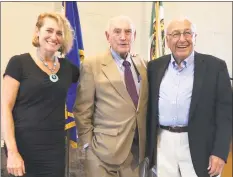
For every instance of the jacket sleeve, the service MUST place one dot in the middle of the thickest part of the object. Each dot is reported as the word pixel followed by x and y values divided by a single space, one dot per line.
pixel 84 104
pixel 223 114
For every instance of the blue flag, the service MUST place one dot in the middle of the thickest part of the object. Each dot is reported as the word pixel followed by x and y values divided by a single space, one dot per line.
pixel 76 55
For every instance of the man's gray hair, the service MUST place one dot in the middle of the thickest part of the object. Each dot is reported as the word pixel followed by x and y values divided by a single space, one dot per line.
pixel 118 18
pixel 181 18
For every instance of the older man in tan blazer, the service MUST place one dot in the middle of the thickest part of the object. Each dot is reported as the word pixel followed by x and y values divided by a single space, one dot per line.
pixel 111 120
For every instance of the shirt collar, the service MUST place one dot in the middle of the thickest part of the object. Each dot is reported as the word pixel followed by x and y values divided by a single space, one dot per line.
pixel 118 59
pixel 185 63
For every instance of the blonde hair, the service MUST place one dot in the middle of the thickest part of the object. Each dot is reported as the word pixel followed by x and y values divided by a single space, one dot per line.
pixel 67 32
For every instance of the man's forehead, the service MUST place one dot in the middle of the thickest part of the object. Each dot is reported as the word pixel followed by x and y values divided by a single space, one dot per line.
pixel 121 28
pixel 121 25
pixel 179 25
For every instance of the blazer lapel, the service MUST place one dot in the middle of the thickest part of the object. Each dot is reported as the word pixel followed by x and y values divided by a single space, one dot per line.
pixel 112 73
pixel 199 73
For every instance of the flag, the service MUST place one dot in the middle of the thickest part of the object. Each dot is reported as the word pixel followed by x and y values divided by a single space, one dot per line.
pixel 76 55
pixel 157 40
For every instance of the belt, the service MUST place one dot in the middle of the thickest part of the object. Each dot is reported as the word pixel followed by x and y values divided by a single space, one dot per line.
pixel 175 129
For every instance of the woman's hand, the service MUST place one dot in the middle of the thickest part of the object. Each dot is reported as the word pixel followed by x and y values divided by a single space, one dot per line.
pixel 15 164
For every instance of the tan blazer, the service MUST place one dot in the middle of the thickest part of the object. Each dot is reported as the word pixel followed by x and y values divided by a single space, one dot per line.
pixel 105 114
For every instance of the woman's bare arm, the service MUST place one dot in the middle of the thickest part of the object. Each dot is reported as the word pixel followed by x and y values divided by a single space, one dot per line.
pixel 9 94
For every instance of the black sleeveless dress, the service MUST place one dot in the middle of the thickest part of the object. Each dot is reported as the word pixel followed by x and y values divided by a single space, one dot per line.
pixel 39 115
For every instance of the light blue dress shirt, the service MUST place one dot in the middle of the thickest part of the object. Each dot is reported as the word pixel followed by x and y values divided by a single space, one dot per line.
pixel 176 92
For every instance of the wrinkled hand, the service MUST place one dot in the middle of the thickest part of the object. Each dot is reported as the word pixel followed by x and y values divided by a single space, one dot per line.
pixel 15 164
pixel 216 165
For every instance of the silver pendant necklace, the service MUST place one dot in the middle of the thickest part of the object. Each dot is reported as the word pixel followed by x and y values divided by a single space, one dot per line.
pixel 53 76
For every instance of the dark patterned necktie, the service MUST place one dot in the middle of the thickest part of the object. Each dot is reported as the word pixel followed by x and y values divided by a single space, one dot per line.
pixel 130 84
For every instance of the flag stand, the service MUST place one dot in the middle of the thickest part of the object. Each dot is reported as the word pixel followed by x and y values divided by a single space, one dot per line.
pixel 67 159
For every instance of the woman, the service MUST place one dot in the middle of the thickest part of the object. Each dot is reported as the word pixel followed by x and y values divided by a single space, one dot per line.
pixel 34 93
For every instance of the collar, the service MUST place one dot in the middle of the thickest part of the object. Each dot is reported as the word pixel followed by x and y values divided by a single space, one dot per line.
pixel 185 63
pixel 118 58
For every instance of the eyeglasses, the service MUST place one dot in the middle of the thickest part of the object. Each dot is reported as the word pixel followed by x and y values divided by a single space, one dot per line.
pixel 177 34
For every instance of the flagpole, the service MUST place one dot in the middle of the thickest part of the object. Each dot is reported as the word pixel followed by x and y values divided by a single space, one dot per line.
pixel 67 154
pixel 157 29
pixel 67 158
